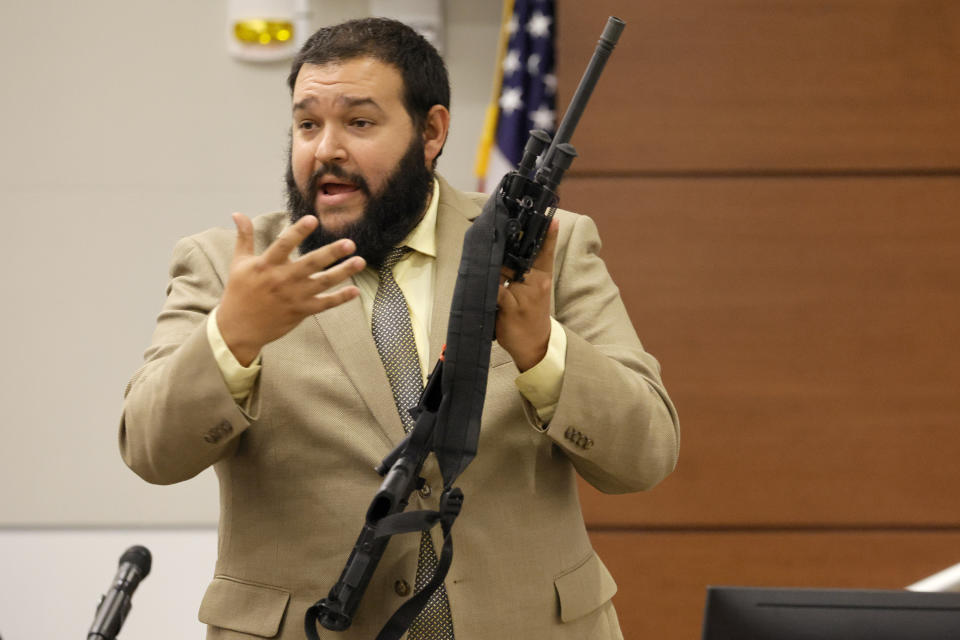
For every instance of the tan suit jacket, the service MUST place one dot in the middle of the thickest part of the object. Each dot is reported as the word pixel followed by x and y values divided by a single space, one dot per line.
pixel 295 463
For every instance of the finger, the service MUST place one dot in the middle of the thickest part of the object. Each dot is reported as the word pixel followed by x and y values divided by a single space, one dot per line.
pixel 507 281
pixel 320 259
pixel 544 261
pixel 289 239
pixel 244 246
pixel 322 280
pixel 506 297
pixel 325 301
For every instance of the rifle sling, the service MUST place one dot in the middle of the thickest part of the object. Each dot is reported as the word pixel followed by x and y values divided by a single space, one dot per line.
pixel 403 617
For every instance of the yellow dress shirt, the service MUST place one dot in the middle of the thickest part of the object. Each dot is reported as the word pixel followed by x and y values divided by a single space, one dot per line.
pixel 414 274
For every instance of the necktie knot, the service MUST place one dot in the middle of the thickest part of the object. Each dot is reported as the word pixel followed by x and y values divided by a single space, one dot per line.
pixel 396 254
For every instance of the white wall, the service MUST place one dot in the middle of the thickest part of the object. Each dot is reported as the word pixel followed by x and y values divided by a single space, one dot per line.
pixel 125 125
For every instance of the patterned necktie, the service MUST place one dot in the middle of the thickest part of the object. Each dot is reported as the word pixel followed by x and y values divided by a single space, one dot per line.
pixel 393 335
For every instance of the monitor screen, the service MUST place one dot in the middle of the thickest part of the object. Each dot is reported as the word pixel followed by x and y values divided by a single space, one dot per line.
pixel 751 613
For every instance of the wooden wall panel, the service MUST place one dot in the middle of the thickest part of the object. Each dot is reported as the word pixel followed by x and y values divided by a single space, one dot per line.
pixel 719 85
pixel 662 577
pixel 808 332
pixel 777 186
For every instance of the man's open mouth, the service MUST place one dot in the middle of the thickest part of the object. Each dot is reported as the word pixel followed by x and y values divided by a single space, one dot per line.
pixel 335 188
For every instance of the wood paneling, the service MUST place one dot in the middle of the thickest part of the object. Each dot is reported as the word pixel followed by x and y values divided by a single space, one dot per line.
pixel 662 577
pixel 777 186
pixel 808 332
pixel 723 85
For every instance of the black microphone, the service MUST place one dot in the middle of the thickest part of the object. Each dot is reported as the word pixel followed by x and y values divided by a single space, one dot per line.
pixel 115 605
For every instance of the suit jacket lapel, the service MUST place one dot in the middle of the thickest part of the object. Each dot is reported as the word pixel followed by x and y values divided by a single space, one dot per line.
pixel 453 219
pixel 348 333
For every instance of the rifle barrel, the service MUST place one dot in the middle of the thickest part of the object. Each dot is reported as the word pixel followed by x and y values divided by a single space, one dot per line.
pixel 608 40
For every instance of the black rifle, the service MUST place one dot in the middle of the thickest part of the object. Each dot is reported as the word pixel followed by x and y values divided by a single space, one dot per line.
pixel 508 233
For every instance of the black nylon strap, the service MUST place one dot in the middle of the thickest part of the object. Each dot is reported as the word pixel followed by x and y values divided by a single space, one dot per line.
pixel 401 620
pixel 310 622
pixel 470 333
pixel 407 522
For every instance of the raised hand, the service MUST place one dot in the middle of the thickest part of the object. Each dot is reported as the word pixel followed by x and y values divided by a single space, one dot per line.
pixel 268 295
pixel 523 319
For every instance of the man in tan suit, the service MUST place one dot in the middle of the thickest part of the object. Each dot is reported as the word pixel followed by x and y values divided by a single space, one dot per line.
pixel 263 365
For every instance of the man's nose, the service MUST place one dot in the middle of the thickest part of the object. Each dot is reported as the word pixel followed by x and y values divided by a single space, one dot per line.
pixel 330 147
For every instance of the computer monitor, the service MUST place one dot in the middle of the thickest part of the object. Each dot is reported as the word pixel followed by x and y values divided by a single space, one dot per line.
pixel 751 613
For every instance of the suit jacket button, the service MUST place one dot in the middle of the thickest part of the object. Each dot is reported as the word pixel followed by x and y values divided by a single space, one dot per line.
pixel 402 587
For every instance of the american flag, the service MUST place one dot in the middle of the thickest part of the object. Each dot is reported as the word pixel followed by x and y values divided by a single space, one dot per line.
pixel 525 98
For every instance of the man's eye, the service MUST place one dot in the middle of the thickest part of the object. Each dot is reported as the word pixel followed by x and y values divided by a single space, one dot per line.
pixel 307 125
pixel 362 124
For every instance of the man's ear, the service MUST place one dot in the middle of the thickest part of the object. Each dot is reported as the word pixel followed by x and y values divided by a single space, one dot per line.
pixel 435 132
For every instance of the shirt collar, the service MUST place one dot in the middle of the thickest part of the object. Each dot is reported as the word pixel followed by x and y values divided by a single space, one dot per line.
pixel 423 238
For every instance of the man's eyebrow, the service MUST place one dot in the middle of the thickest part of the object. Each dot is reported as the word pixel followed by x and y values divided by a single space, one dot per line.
pixel 359 102
pixel 346 101
pixel 303 104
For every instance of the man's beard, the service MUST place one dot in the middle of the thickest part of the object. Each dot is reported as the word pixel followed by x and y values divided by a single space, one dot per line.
pixel 388 216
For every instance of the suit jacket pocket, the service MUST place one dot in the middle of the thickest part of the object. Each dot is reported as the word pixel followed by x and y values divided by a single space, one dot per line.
pixel 584 588
pixel 244 606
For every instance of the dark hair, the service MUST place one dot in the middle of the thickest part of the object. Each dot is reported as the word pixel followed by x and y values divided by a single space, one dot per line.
pixel 425 81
